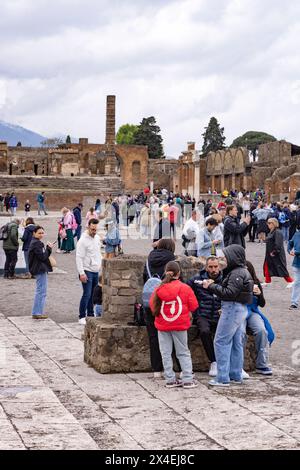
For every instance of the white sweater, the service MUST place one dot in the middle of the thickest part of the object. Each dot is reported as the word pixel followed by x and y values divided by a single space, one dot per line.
pixel 88 254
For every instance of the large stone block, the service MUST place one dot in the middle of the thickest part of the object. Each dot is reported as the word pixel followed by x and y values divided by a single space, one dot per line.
pixel 112 348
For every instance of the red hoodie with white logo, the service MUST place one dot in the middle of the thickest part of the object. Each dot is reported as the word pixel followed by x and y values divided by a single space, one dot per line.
pixel 178 300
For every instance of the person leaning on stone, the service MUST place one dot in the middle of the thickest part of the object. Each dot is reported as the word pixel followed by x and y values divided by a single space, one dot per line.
pixel 234 231
pixel 11 247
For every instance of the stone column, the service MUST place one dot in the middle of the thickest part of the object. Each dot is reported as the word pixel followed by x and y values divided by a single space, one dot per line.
pixel 110 136
pixel 233 182
pixel 222 183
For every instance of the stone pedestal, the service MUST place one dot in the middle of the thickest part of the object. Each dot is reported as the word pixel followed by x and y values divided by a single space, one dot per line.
pixel 111 345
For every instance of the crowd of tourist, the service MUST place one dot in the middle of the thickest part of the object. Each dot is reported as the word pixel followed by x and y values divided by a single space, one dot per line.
pixel 223 300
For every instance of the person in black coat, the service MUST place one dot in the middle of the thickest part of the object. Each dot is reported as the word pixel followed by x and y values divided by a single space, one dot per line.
pixel 78 217
pixel 208 313
pixel 157 260
pixel 234 231
pixel 275 259
pixel 39 266
pixel 26 239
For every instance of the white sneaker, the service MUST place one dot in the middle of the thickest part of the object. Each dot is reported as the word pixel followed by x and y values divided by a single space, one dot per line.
pixel 213 370
pixel 58 250
pixel 290 285
pixel 157 375
pixel 245 376
pixel 82 321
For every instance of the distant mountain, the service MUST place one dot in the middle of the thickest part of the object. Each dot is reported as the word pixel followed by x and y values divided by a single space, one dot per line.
pixel 13 134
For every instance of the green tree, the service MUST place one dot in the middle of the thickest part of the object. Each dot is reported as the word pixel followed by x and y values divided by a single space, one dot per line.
pixel 19 144
pixel 68 140
pixel 213 137
pixel 149 134
pixel 126 134
pixel 251 140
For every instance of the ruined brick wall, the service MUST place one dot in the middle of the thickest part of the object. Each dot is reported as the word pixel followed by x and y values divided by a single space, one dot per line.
pixel 275 154
pixel 163 173
pixel 27 160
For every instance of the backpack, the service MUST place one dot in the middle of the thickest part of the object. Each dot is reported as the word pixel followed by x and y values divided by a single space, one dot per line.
pixel 74 224
pixel 149 287
pixel 4 232
pixel 282 218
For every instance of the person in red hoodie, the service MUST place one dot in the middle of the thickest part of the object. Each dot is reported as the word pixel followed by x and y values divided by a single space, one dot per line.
pixel 172 304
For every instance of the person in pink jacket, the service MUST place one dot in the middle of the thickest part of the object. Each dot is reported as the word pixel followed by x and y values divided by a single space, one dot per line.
pixel 172 304
pixel 68 220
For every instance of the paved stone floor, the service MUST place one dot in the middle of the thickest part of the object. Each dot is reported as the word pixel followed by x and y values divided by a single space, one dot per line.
pixel 49 399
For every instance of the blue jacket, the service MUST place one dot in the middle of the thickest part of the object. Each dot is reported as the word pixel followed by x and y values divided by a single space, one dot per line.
pixel 254 308
pixel 294 244
pixel 209 303
pixel 27 236
pixel 13 202
pixel 77 215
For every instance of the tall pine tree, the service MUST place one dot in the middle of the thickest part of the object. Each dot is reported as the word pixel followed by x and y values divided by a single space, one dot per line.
pixel 213 136
pixel 148 133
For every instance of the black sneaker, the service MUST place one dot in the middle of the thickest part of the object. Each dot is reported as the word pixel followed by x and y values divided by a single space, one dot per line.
pixel 264 370
pixel 293 307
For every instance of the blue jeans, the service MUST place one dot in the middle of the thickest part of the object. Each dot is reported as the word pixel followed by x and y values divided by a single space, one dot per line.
pixel 258 329
pixel 296 287
pixel 41 207
pixel 165 339
pixel 26 257
pixel 86 303
pixel 229 341
pixel 78 232
pixel 285 233
pixel 40 294
pixel 98 310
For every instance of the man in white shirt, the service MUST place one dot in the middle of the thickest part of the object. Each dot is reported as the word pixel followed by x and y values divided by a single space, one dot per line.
pixel 191 234
pixel 88 262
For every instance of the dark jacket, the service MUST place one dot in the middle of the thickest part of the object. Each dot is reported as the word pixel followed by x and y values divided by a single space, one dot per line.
pixel 27 236
pixel 234 232
pixel 39 257
pixel 275 254
pixel 237 285
pixel 77 215
pixel 12 243
pixel 162 230
pixel 209 303
pixel 97 295
pixel 157 260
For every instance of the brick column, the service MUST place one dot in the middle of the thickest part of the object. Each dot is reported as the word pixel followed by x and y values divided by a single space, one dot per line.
pixel 110 136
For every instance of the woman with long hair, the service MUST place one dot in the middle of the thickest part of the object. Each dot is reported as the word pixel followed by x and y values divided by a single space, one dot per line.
pixel 172 304
pixel 275 259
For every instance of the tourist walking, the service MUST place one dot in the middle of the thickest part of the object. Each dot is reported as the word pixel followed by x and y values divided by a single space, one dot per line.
pixel 294 250
pixel 262 213
pixel 88 262
pixel 69 224
pixel 190 235
pixel 234 231
pixel 145 220
pixel 162 228
pixel 235 292
pixel 91 214
pixel 6 202
pixel 11 247
pixel 39 266
pixel 26 239
pixel 78 217
pixel 275 259
pixel 155 267
pixel 112 240
pixel 41 197
pixel 13 204
pixel 172 304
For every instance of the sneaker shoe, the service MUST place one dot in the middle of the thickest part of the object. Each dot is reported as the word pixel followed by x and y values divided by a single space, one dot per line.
pixel 213 370
pixel 214 383
pixel 157 375
pixel 290 285
pixel 293 307
pixel 174 384
pixel 245 376
pixel 40 317
pixel 82 321
pixel 264 370
pixel 236 382
pixel 58 250
pixel 193 384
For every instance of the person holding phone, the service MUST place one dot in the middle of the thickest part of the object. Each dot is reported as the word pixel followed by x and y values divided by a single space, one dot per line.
pixel 39 266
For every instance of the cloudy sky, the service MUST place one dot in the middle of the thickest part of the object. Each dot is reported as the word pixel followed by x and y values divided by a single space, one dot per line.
pixel 182 61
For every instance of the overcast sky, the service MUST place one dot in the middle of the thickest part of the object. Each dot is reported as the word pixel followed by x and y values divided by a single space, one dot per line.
pixel 180 61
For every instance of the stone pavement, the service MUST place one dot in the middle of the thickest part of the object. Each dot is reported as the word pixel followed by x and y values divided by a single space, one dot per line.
pixel 50 399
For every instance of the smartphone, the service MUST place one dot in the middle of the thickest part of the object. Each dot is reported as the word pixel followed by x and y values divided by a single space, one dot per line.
pixel 55 241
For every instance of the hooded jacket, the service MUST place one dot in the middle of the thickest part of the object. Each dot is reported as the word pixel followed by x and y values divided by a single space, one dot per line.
pixel 157 261
pixel 39 257
pixel 234 231
pixel 27 236
pixel 178 300
pixel 237 285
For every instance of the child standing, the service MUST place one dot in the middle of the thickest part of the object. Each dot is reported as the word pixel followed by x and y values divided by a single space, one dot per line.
pixel 97 298
pixel 27 209
pixel 172 304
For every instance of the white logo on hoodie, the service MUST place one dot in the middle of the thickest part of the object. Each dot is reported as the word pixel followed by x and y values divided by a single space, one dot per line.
pixel 174 305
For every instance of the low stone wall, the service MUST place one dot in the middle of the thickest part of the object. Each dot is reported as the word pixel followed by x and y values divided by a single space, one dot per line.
pixel 110 344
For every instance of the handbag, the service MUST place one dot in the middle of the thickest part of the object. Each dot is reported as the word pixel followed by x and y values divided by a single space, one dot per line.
pixel 52 261
pixel 62 233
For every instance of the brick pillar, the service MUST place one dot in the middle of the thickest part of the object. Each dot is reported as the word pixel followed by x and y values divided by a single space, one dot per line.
pixel 110 136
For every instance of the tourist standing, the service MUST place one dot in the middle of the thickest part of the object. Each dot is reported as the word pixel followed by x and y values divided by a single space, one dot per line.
pixel 10 247
pixel 78 217
pixel 234 231
pixel 26 239
pixel 91 214
pixel 6 201
pixel 235 292
pixel 145 220
pixel 68 223
pixel 294 250
pixel 190 235
pixel 155 267
pixel 262 213
pixel 39 266
pixel 162 228
pixel 97 298
pixel 208 239
pixel 41 197
pixel 88 262
pixel 1 203
pixel 27 207
pixel 172 304
pixel 13 204
pixel 112 239
pixel 98 206
pixel 275 259
pixel 172 214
